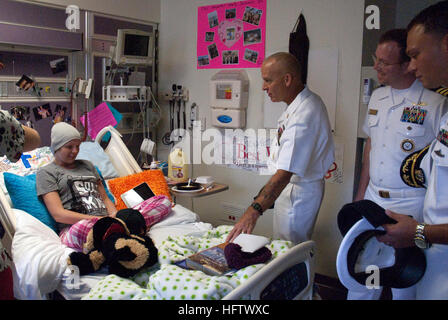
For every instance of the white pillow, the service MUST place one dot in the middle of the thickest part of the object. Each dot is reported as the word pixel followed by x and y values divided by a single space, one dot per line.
pixel 39 257
pixel 178 215
pixel 92 151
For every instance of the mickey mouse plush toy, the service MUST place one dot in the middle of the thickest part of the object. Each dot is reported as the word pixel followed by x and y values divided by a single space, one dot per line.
pixel 120 243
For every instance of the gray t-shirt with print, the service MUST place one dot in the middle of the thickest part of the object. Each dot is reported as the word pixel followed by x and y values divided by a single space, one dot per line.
pixel 77 188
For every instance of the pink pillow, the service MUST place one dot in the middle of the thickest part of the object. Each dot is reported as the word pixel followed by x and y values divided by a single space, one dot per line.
pixel 153 210
pixel 75 236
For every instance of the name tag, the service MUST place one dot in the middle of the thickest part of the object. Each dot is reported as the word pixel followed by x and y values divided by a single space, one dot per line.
pixel 373 112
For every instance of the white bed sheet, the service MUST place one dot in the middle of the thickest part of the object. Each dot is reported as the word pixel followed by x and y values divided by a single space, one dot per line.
pixel 40 258
pixel 180 222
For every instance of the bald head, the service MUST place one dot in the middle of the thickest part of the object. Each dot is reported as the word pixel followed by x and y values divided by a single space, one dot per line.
pixel 281 75
pixel 284 62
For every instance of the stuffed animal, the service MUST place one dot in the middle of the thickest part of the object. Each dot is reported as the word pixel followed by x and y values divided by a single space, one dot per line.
pixel 119 243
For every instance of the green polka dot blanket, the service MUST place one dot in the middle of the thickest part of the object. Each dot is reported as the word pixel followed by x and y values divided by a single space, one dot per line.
pixel 166 281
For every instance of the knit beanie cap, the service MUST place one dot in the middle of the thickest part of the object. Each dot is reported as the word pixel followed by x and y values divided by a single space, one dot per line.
pixel 61 133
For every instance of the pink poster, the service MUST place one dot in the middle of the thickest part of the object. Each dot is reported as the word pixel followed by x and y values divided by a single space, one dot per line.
pixel 231 35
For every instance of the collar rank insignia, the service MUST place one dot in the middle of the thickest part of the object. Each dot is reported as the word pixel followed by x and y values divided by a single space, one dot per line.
pixel 414 114
pixel 443 137
pixel 279 133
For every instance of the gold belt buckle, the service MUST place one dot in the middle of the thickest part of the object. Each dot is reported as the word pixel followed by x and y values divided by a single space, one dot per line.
pixel 384 194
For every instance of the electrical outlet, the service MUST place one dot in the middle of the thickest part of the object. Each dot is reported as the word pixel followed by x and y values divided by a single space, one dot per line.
pixel 228 219
pixel 231 212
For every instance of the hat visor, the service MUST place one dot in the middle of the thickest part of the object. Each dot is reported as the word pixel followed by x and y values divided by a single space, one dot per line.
pixel 375 253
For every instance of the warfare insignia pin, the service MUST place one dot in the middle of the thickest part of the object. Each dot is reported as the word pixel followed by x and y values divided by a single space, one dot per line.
pixel 410 171
pixel 407 145
pixel 420 104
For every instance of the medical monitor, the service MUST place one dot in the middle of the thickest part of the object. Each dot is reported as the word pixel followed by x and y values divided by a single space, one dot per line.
pixel 134 47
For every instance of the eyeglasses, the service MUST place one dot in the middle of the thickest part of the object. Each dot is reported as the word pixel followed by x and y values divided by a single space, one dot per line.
pixel 381 63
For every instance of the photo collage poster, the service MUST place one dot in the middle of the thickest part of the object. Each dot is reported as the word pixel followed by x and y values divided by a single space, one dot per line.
pixel 231 35
pixel 31 115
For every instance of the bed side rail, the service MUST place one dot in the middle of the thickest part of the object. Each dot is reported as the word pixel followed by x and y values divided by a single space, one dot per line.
pixel 287 277
pixel 8 221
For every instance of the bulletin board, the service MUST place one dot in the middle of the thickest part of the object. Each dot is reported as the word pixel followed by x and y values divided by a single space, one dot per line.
pixel 231 35
pixel 40 116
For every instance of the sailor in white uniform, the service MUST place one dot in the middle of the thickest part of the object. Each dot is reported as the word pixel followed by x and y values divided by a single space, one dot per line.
pixel 434 284
pixel 431 234
pixel 402 117
pixel 397 125
pixel 304 147
pixel 301 155
pixel 429 60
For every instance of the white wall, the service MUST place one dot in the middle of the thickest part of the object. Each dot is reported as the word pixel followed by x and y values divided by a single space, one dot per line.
pixel 145 10
pixel 331 24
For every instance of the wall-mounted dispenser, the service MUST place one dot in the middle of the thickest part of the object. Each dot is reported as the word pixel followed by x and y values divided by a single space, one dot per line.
pixel 229 95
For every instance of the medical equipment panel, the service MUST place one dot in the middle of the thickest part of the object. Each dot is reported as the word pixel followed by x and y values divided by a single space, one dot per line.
pixel 229 95
pixel 228 118
pixel 125 93
pixel 229 89
pixel 44 88
pixel 369 82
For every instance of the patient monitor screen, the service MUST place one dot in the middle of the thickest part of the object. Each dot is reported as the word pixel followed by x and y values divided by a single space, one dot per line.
pixel 136 45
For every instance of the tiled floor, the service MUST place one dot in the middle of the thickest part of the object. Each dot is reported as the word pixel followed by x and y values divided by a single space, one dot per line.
pixel 329 288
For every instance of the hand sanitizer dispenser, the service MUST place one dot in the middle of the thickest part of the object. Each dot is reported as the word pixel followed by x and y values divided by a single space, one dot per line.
pixel 229 94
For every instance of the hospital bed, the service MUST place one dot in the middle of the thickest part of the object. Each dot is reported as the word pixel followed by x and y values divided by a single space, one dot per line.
pixel 39 258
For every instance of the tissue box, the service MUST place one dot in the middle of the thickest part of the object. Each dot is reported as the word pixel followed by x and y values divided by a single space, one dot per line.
pixel 205 180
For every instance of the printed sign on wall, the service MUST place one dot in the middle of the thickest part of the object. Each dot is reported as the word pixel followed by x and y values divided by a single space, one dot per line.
pixel 231 35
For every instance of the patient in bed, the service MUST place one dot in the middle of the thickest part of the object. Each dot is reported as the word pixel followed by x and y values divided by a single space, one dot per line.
pixel 71 189
pixel 73 192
